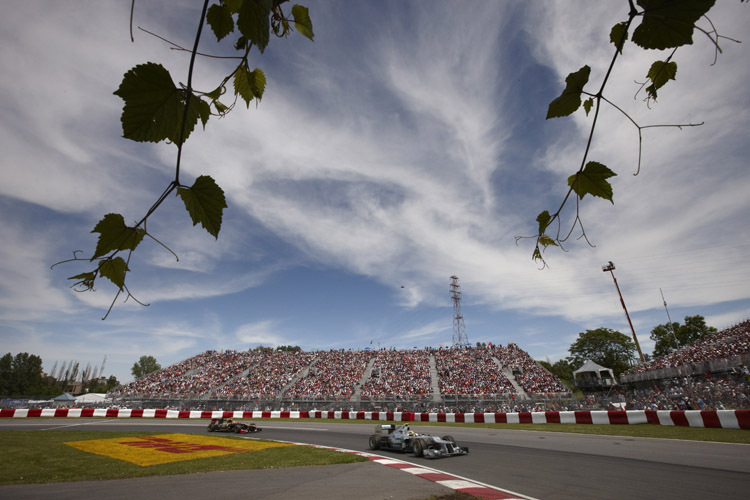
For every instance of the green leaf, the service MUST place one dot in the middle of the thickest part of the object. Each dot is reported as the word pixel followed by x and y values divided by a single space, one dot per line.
pixel 253 22
pixel 114 235
pixel 619 35
pixel 220 108
pixel 302 21
pixel 592 180
pixel 570 99
pixel 249 84
pixel 660 73
pixel 546 241
pixel 216 93
pixel 543 219
pixel 669 23
pixel 588 104
pixel 204 111
pixel 219 17
pixel 233 5
pixel 153 104
pixel 205 203
pixel 114 270
pixel 84 279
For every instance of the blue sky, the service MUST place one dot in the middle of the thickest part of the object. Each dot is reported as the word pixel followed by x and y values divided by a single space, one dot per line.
pixel 405 145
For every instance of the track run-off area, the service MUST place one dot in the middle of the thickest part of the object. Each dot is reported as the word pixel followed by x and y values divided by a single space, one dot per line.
pixel 538 464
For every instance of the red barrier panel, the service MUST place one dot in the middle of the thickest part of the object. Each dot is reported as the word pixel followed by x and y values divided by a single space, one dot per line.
pixel 583 417
pixel 206 414
pixel 553 417
pixel 61 412
pixel 678 418
pixel 285 414
pixel 459 417
pixel 183 414
pixel 711 419
pixel 227 414
pixel 160 414
pixel 441 417
pixel 743 418
pixel 89 412
pixel 479 418
pixel 618 417
pixel 501 418
pixel 112 413
pixel 652 417
pixel 524 417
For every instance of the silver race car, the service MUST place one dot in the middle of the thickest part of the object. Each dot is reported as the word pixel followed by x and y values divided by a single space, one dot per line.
pixel 402 438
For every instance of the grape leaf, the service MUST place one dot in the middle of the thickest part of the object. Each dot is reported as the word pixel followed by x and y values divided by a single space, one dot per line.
pixel 114 270
pixel 233 5
pixel 85 279
pixel 618 35
pixel 543 219
pixel 592 180
pixel 154 106
pixel 205 202
pixel 253 22
pixel 570 99
pixel 249 84
pixel 669 23
pixel 115 235
pixel 302 21
pixel 660 73
pixel 546 241
pixel 219 17
pixel 587 105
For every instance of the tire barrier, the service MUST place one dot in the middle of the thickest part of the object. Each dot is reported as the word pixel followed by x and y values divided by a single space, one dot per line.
pixel 723 419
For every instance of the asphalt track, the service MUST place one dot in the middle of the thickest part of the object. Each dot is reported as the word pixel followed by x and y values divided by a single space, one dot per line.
pixel 543 465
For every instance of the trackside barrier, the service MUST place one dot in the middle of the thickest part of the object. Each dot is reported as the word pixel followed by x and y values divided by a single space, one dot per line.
pixel 724 419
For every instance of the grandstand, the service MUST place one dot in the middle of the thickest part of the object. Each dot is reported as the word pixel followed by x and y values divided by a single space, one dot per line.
pixel 710 374
pixel 418 379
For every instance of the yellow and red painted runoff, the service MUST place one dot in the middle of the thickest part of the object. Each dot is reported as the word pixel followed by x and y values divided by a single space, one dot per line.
pixel 726 419
pixel 166 448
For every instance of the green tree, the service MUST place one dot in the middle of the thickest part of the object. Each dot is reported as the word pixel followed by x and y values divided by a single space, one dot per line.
pixel 144 366
pixel 604 346
pixel 562 369
pixel 668 337
pixel 6 370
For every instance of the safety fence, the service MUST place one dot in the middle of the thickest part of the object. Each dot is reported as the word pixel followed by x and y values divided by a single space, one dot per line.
pixel 725 419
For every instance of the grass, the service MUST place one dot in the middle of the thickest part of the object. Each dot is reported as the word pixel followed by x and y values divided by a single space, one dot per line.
pixel 42 457
pixel 739 436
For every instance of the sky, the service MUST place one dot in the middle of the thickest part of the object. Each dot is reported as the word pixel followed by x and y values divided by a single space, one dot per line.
pixel 405 145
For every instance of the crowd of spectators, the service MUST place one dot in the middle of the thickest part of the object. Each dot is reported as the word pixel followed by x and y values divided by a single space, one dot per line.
pixel 269 374
pixel 403 374
pixel 533 378
pixel 732 341
pixel 335 374
pixel 471 372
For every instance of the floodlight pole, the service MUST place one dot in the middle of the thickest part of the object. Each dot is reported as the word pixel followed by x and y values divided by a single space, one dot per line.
pixel 677 342
pixel 611 267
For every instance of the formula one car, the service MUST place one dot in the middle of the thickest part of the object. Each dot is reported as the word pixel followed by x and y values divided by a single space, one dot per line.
pixel 402 438
pixel 229 425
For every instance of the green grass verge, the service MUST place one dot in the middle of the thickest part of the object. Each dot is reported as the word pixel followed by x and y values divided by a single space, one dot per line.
pixel 42 457
pixel 739 436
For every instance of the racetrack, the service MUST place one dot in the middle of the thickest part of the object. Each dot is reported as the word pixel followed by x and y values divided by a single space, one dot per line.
pixel 539 464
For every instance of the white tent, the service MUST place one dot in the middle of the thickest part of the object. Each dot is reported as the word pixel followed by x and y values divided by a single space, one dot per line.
pixel 595 375
pixel 91 398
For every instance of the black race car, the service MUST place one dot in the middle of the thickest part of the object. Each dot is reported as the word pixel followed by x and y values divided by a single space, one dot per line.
pixel 229 425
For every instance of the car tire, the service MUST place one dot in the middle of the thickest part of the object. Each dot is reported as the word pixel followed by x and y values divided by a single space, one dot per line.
pixel 416 447
pixel 374 443
pixel 210 427
pixel 450 438
pixel 237 429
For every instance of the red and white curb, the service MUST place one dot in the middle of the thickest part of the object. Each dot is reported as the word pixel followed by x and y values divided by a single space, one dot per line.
pixel 452 481
pixel 720 419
